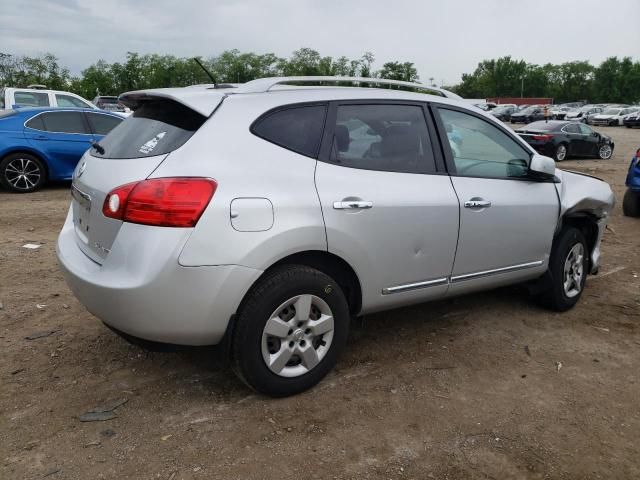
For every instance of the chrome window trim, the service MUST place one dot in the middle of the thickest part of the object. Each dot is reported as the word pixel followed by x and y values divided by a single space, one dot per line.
pixel 415 286
pixel 55 110
pixel 486 273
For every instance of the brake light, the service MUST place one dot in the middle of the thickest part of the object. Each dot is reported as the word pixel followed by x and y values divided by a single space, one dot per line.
pixel 162 202
pixel 544 138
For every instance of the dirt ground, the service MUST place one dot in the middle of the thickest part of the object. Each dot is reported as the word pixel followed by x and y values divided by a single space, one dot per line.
pixel 484 386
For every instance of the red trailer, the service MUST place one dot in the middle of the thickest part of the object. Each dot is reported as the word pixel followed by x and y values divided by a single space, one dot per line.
pixel 522 101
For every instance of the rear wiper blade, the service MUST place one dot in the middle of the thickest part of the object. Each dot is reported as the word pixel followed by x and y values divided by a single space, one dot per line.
pixel 99 148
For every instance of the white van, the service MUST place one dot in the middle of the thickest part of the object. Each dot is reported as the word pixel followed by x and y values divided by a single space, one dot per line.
pixel 36 97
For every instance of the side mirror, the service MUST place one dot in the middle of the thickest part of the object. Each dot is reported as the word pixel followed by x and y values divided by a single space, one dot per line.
pixel 542 168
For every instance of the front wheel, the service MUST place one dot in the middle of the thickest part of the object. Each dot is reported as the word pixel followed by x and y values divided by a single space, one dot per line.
pixel 561 152
pixel 22 173
pixel 568 264
pixel 605 152
pixel 289 331
pixel 631 203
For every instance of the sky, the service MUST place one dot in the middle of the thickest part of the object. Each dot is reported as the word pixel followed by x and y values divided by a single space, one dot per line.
pixel 442 38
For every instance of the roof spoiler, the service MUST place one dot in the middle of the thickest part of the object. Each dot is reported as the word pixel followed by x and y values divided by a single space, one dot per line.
pixel 263 85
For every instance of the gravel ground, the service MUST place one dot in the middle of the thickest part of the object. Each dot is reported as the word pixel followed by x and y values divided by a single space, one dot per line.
pixel 484 386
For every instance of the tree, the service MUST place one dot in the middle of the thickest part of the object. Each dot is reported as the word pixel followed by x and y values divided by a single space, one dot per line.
pixel 399 71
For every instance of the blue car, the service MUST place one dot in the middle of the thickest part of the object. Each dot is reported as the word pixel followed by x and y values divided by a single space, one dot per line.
pixel 631 202
pixel 41 144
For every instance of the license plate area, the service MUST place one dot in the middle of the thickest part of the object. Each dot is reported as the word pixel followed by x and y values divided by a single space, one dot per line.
pixel 81 212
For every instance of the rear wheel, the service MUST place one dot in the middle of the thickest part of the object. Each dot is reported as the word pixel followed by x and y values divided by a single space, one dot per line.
pixel 561 152
pixel 605 152
pixel 22 173
pixel 631 203
pixel 568 265
pixel 290 329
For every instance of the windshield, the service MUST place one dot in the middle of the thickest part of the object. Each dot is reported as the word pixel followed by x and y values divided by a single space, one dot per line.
pixel 501 109
pixel 529 109
pixel 612 111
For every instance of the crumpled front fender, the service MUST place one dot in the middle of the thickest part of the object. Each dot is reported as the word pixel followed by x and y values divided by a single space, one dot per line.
pixel 581 193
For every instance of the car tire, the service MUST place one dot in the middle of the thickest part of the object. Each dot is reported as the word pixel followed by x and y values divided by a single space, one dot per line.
pixel 561 152
pixel 605 152
pixel 275 323
pixel 567 273
pixel 631 204
pixel 22 173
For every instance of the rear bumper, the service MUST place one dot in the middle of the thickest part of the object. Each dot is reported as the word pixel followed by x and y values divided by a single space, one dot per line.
pixel 141 290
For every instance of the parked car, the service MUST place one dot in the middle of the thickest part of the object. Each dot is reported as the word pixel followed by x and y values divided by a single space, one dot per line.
pixel 36 97
pixel 558 112
pixel 560 139
pixel 503 112
pixel 111 104
pixel 41 144
pixel 612 116
pixel 528 115
pixel 584 114
pixel 632 120
pixel 272 216
pixel 631 201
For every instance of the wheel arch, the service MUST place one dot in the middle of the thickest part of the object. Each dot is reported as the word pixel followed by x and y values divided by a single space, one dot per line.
pixel 587 223
pixel 29 151
pixel 332 265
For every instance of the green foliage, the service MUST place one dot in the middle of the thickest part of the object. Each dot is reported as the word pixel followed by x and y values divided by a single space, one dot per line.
pixel 614 80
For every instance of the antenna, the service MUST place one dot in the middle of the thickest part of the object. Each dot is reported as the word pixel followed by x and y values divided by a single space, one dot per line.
pixel 197 60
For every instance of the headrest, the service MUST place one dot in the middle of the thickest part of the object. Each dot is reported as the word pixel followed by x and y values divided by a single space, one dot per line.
pixel 341 134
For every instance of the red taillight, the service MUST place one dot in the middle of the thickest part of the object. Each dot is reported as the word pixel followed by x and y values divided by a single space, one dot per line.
pixel 162 202
pixel 544 138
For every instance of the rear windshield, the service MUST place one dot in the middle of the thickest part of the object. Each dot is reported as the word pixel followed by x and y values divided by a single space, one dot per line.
pixel 544 126
pixel 157 127
pixel 7 113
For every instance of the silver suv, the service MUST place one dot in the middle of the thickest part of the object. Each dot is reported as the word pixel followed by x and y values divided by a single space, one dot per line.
pixel 270 214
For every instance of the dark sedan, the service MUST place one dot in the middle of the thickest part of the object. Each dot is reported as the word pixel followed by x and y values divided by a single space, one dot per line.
pixel 561 139
pixel 504 112
pixel 528 115
pixel 632 120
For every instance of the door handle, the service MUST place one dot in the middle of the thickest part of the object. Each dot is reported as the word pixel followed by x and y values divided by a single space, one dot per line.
pixel 41 137
pixel 352 205
pixel 477 204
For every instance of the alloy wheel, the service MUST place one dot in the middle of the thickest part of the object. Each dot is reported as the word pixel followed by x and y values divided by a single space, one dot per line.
pixel 297 336
pixel 605 152
pixel 22 174
pixel 574 271
pixel 561 152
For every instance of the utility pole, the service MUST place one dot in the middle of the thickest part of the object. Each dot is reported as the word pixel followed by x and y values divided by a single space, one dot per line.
pixel 522 87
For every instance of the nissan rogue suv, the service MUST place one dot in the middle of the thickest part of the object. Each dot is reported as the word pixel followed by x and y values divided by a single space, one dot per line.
pixel 270 214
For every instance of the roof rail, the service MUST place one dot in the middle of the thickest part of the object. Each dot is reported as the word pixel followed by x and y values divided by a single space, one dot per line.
pixel 263 85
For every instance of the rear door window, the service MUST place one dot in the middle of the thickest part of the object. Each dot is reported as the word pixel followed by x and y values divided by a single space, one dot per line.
pixel 102 124
pixel 65 122
pixel 36 123
pixel 296 128
pixel 386 137
pixel 31 99
pixel 571 128
pixel 157 127
pixel 69 101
